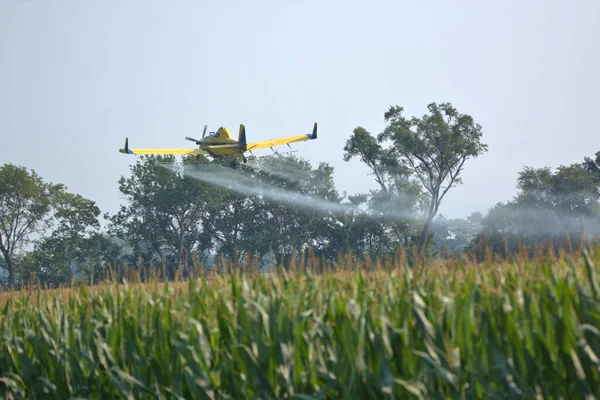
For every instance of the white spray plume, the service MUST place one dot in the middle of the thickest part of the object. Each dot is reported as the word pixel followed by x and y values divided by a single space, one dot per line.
pixel 286 169
pixel 246 185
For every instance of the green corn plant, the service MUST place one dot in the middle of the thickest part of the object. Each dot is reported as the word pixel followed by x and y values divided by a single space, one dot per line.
pixel 526 328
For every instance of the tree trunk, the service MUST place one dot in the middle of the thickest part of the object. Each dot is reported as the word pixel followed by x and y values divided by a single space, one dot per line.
pixel 430 215
pixel 11 272
pixel 9 264
pixel 180 254
pixel 424 232
pixel 433 209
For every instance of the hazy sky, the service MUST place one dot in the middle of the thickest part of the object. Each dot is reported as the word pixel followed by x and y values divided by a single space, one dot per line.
pixel 76 78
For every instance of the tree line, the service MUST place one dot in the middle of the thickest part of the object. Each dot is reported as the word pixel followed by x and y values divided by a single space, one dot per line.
pixel 173 220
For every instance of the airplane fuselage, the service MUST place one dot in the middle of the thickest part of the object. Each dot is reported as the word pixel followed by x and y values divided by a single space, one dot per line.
pixel 220 143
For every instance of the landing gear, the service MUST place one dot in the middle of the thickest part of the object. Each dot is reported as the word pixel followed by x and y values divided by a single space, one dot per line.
pixel 234 164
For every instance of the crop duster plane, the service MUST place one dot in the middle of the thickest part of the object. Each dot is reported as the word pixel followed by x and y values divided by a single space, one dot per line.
pixel 222 143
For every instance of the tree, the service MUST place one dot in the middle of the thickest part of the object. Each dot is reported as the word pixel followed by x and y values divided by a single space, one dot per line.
pixel 564 201
pixel 435 148
pixel 399 196
pixel 549 206
pixel 593 167
pixel 278 220
pixel 164 210
pixel 382 163
pixel 455 234
pixel 77 219
pixel 227 222
pixel 74 222
pixel 25 202
pixel 363 233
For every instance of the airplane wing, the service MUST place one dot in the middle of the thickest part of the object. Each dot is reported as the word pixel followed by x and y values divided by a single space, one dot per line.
pixel 127 150
pixel 281 141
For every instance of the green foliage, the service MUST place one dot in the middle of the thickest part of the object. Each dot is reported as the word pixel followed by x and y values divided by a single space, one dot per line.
pixel 426 154
pixel 163 214
pixel 173 220
pixel 561 206
pixel 398 192
pixel 593 167
pixel 43 227
pixel 284 227
pixel 526 330
pixel 56 256
pixel 385 167
pixel 55 261
pixel 453 235
pixel 435 148
pixel 25 203
pixel 168 211
pixel 257 225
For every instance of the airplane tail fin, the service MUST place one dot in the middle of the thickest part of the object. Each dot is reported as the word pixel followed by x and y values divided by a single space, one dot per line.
pixel 242 136
pixel 314 132
pixel 126 150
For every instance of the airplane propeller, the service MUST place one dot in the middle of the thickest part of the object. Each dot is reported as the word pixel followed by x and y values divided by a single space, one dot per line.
pixel 196 140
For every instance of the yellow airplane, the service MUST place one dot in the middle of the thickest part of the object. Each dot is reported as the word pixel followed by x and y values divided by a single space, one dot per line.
pixel 222 143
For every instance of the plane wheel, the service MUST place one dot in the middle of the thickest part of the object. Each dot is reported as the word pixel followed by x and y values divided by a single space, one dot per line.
pixel 245 160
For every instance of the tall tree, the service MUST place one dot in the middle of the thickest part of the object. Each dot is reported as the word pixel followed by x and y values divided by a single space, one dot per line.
pixel 164 210
pixel 75 224
pixel 25 203
pixel 399 193
pixel 435 148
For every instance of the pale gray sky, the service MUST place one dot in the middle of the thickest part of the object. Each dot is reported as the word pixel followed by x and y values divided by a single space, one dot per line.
pixel 76 78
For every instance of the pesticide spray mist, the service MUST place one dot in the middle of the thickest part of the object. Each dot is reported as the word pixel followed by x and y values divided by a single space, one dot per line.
pixel 523 221
pixel 286 169
pixel 248 185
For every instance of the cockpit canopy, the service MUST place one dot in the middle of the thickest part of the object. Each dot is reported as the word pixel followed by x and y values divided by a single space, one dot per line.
pixel 221 133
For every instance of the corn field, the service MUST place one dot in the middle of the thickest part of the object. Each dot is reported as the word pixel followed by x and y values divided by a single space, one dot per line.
pixel 528 328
